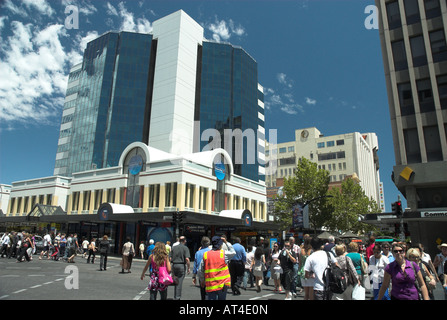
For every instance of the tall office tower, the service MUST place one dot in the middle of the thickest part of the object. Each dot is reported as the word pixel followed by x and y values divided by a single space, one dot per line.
pixel 232 102
pixel 105 102
pixel 413 39
pixel 156 88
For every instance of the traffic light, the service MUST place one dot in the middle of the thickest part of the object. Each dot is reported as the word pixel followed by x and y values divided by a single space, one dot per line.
pixel 179 216
pixel 174 217
pixel 396 207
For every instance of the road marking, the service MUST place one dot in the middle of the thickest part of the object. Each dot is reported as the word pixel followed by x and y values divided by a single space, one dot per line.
pixel 50 282
pixel 140 295
pixel 3 297
pixel 264 296
pixel 18 291
pixel 36 286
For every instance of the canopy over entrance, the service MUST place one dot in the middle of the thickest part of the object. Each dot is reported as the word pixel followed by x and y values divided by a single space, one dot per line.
pixel 242 214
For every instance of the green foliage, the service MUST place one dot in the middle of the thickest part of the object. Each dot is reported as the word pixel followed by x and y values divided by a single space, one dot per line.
pixel 308 183
pixel 347 206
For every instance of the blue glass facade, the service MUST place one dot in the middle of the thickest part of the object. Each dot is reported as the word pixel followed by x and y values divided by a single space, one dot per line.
pixel 229 100
pixel 111 101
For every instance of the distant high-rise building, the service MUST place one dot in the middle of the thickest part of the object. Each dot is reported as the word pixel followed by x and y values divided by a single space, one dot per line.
pixel 413 39
pixel 164 89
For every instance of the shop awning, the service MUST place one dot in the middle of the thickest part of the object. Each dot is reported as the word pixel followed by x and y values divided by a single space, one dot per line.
pixel 40 210
pixel 244 215
pixel 106 210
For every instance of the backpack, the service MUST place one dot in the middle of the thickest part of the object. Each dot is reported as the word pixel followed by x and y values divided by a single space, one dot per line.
pixel 334 278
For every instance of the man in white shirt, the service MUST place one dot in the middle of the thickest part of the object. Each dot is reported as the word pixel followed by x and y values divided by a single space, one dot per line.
pixel 46 246
pixel 315 266
pixel 5 243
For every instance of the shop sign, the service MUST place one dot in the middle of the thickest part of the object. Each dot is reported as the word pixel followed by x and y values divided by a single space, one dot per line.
pixel 433 214
pixel 193 228
pixel 103 214
pixel 225 229
pixel 219 170
pixel 247 219
pixel 248 233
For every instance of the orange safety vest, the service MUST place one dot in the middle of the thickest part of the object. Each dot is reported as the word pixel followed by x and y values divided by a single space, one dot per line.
pixel 216 271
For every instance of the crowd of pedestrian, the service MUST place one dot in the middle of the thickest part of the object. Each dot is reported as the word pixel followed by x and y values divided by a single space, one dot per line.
pixel 57 247
pixel 391 271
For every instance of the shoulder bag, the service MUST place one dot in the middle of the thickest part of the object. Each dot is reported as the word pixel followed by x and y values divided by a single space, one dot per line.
pixel 364 265
pixel 163 276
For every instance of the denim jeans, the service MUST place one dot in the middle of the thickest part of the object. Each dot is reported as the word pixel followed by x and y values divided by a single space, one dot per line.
pixel 248 278
pixel 218 295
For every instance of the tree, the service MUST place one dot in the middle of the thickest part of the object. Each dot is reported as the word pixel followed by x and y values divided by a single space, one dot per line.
pixel 347 205
pixel 307 184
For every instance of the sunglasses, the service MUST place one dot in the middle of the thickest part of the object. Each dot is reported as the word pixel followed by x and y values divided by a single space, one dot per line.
pixel 398 251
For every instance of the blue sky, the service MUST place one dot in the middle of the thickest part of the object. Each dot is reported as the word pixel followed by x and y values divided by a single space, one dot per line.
pixel 318 63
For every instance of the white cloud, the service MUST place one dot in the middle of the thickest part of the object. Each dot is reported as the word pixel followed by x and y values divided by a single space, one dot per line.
pixel 41 5
pixel 128 21
pixel 8 4
pixel 35 59
pixel 111 10
pixel 33 66
pixel 283 79
pixel 284 99
pixel 2 21
pixel 220 31
pixel 223 30
pixel 284 102
pixel 311 101
pixel 87 9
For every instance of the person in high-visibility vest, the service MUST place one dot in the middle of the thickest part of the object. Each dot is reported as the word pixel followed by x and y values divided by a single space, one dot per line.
pixel 213 270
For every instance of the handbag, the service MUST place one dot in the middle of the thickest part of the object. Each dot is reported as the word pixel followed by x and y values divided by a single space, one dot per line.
pixel 416 283
pixel 364 265
pixel 278 269
pixel 164 277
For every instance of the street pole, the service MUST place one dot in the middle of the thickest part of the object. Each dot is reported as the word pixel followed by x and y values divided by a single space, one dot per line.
pixel 177 231
pixel 402 232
